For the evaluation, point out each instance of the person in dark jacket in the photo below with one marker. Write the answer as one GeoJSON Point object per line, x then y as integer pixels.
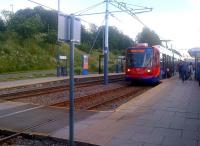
{"type": "Point", "coordinates": [179, 69]}
{"type": "Point", "coordinates": [190, 70]}
{"type": "Point", "coordinates": [183, 70]}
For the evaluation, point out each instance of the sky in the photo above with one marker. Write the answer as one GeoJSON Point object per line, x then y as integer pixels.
{"type": "Point", "coordinates": [175, 20]}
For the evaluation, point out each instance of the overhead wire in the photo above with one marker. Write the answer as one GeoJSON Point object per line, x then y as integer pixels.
{"type": "Point", "coordinates": [42, 5]}
{"type": "Point", "coordinates": [57, 10]}
{"type": "Point", "coordinates": [80, 13]}
{"type": "Point", "coordinates": [127, 11]}
{"type": "Point", "coordinates": [91, 7]}
{"type": "Point", "coordinates": [96, 37]}
{"type": "Point", "coordinates": [111, 14]}
{"type": "Point", "coordinates": [87, 9]}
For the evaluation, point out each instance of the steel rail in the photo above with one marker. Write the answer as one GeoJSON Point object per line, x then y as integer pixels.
{"type": "Point", "coordinates": [48, 90]}
{"type": "Point", "coordinates": [43, 106]}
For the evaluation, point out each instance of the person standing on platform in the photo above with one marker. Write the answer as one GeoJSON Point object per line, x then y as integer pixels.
{"type": "Point", "coordinates": [183, 70]}
{"type": "Point", "coordinates": [190, 68]}
{"type": "Point", "coordinates": [179, 69]}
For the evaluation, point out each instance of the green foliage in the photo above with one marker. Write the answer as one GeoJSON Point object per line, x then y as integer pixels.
{"type": "Point", "coordinates": [26, 27]}
{"type": "Point", "coordinates": [14, 57]}
{"type": "Point", "coordinates": [49, 19]}
{"type": "Point", "coordinates": [51, 37]}
{"type": "Point", "coordinates": [6, 15]}
{"type": "Point", "coordinates": [148, 36]}
{"type": "Point", "coordinates": [29, 42]}
{"type": "Point", "coordinates": [2, 25]}
{"type": "Point", "coordinates": [118, 42]}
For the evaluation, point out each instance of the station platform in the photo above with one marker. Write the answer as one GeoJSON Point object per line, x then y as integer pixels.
{"type": "Point", "coordinates": [50, 81]}
{"type": "Point", "coordinates": [166, 115]}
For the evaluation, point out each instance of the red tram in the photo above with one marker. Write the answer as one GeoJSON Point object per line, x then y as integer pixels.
{"type": "Point", "coordinates": [148, 64]}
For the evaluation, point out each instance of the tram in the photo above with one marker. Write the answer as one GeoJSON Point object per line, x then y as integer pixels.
{"type": "Point", "coordinates": [149, 63]}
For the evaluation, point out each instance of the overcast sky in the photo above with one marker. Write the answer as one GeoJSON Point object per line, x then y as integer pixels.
{"type": "Point", "coordinates": [176, 20]}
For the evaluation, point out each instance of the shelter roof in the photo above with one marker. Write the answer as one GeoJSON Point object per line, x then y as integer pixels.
{"type": "Point", "coordinates": [194, 52]}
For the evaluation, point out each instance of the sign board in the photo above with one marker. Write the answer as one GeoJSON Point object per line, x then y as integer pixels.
{"type": "Point", "coordinates": [136, 51]}
{"type": "Point", "coordinates": [62, 28]}
{"type": "Point", "coordinates": [85, 62]}
{"type": "Point", "coordinates": [69, 30]}
{"type": "Point", "coordinates": [77, 30]}
{"type": "Point", "coordinates": [62, 57]}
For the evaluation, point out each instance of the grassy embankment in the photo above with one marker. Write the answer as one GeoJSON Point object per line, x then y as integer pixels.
{"type": "Point", "coordinates": [27, 55]}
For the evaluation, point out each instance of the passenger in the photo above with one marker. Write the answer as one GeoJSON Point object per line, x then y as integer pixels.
{"type": "Point", "coordinates": [179, 69]}
{"type": "Point", "coordinates": [183, 70]}
{"type": "Point", "coordinates": [190, 68]}
{"type": "Point", "coordinates": [162, 73]}
{"type": "Point", "coordinates": [168, 74]}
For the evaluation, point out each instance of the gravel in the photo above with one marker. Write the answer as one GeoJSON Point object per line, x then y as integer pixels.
{"type": "Point", "coordinates": [32, 140]}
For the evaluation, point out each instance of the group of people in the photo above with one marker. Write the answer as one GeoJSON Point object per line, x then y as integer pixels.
{"type": "Point", "coordinates": [186, 70]}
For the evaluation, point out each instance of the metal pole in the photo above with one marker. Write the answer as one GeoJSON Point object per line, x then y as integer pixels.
{"type": "Point", "coordinates": [71, 109]}
{"type": "Point", "coordinates": [173, 60]}
{"type": "Point", "coordinates": [195, 75]}
{"type": "Point", "coordinates": [106, 49]}
{"type": "Point", "coordinates": [58, 8]}
{"type": "Point", "coordinates": [57, 50]}
{"type": "Point", "coordinates": [99, 64]}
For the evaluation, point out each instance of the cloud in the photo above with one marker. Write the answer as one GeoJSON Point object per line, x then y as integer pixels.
{"type": "Point", "coordinates": [181, 27]}
{"type": "Point", "coordinates": [194, 3]}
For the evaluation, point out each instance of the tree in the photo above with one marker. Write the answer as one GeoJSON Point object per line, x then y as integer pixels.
{"type": "Point", "coordinates": [26, 27]}
{"type": "Point", "coordinates": [148, 36]}
{"type": "Point", "coordinates": [49, 19]}
{"type": "Point", "coordinates": [118, 41]}
{"type": "Point", "coordinates": [2, 25]}
{"type": "Point", "coordinates": [6, 15]}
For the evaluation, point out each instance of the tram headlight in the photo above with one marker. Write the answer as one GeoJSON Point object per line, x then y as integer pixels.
{"type": "Point", "coordinates": [128, 70]}
{"type": "Point", "coordinates": [149, 71]}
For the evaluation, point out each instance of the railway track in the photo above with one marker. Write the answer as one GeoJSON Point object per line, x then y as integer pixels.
{"type": "Point", "coordinates": [49, 90]}
{"type": "Point", "coordinates": [82, 96]}
{"type": "Point", "coordinates": [112, 96]}
{"type": "Point", "coordinates": [113, 103]}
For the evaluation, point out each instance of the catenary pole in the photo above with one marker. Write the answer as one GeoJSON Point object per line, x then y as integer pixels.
{"type": "Point", "coordinates": [106, 49]}
{"type": "Point", "coordinates": [57, 50]}
{"type": "Point", "coordinates": [71, 109]}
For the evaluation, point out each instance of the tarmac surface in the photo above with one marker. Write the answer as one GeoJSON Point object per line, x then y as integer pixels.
{"type": "Point", "coordinates": [166, 115]}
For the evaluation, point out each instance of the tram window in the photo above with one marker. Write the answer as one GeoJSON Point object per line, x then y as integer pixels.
{"type": "Point", "coordinates": [135, 59]}
{"type": "Point", "coordinates": [140, 59]}
{"type": "Point", "coordinates": [148, 58]}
